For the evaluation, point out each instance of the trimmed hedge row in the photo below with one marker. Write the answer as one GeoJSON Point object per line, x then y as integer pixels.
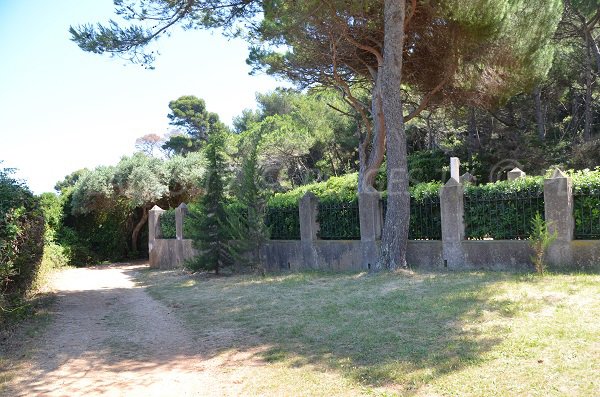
{"type": "Point", "coordinates": [500, 211]}
{"type": "Point", "coordinates": [586, 206]}
{"type": "Point", "coordinates": [338, 210]}
{"type": "Point", "coordinates": [503, 210]}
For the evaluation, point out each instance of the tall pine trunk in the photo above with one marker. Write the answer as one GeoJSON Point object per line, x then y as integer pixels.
{"type": "Point", "coordinates": [371, 153]}
{"type": "Point", "coordinates": [539, 113]}
{"type": "Point", "coordinates": [589, 80]}
{"type": "Point", "coordinates": [395, 231]}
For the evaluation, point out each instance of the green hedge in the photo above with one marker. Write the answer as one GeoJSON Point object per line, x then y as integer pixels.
{"type": "Point", "coordinates": [22, 229]}
{"type": "Point", "coordinates": [586, 208]}
{"type": "Point", "coordinates": [500, 211]}
{"type": "Point", "coordinates": [167, 224]}
{"type": "Point", "coordinates": [338, 210]}
{"type": "Point", "coordinates": [503, 210]}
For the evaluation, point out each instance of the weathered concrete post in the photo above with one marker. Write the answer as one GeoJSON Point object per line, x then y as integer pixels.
{"type": "Point", "coordinates": [370, 216]}
{"type": "Point", "coordinates": [455, 168]}
{"type": "Point", "coordinates": [515, 174]}
{"type": "Point", "coordinates": [452, 214]}
{"type": "Point", "coordinates": [309, 227]}
{"type": "Point", "coordinates": [558, 206]}
{"type": "Point", "coordinates": [180, 213]}
{"type": "Point", "coordinates": [467, 177]}
{"type": "Point", "coordinates": [154, 231]}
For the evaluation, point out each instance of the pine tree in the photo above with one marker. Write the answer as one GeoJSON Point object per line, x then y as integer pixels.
{"type": "Point", "coordinates": [210, 230]}
{"type": "Point", "coordinates": [248, 219]}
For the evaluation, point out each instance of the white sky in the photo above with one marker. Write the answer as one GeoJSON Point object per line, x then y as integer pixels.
{"type": "Point", "coordinates": [62, 109]}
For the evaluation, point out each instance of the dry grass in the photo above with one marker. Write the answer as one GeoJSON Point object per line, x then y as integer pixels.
{"type": "Point", "coordinates": [424, 334]}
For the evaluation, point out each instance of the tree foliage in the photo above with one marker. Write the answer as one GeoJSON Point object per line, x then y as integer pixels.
{"type": "Point", "coordinates": [120, 196]}
{"type": "Point", "coordinates": [195, 124]}
{"type": "Point", "coordinates": [211, 232]}
{"type": "Point", "coordinates": [21, 238]}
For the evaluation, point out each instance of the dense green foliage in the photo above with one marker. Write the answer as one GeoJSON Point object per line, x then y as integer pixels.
{"type": "Point", "coordinates": [586, 206]}
{"type": "Point", "coordinates": [167, 224]}
{"type": "Point", "coordinates": [211, 234]}
{"type": "Point", "coordinates": [21, 238]}
{"type": "Point", "coordinates": [301, 138]}
{"type": "Point", "coordinates": [106, 209]}
{"type": "Point", "coordinates": [338, 210]}
{"type": "Point", "coordinates": [503, 210]}
{"type": "Point", "coordinates": [247, 217]}
{"type": "Point", "coordinates": [195, 125]}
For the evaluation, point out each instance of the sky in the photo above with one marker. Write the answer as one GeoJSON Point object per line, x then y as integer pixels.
{"type": "Point", "coordinates": [62, 109]}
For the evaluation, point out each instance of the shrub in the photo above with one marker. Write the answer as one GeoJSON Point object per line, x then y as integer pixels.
{"type": "Point", "coordinates": [539, 240]}
{"type": "Point", "coordinates": [21, 238]}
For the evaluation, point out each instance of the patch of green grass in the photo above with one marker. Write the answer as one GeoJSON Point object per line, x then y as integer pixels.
{"type": "Point", "coordinates": [476, 333]}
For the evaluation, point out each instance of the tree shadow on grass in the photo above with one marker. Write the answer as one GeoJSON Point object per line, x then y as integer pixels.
{"type": "Point", "coordinates": [382, 330]}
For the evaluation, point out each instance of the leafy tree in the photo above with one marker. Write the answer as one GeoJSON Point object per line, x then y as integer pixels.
{"type": "Point", "coordinates": [70, 180]}
{"type": "Point", "coordinates": [303, 136]}
{"type": "Point", "coordinates": [127, 191]}
{"type": "Point", "coordinates": [195, 122]}
{"type": "Point", "coordinates": [211, 232]}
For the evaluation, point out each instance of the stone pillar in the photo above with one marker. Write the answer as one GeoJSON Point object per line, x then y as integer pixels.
{"type": "Point", "coordinates": [370, 215]}
{"type": "Point", "coordinates": [453, 227]}
{"type": "Point", "coordinates": [309, 207]}
{"type": "Point", "coordinates": [154, 232]}
{"type": "Point", "coordinates": [455, 168]}
{"type": "Point", "coordinates": [558, 207]}
{"type": "Point", "coordinates": [309, 227]}
{"type": "Point", "coordinates": [515, 174]}
{"type": "Point", "coordinates": [467, 177]}
{"type": "Point", "coordinates": [180, 214]}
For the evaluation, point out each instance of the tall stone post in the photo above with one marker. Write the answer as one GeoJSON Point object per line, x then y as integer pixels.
{"type": "Point", "coordinates": [453, 227]}
{"type": "Point", "coordinates": [370, 216]}
{"type": "Point", "coordinates": [154, 231]}
{"type": "Point", "coordinates": [455, 168]}
{"type": "Point", "coordinates": [558, 206]}
{"type": "Point", "coordinates": [180, 214]}
{"type": "Point", "coordinates": [309, 227]}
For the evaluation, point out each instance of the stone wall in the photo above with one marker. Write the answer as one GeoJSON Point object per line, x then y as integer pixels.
{"type": "Point", "coordinates": [452, 252]}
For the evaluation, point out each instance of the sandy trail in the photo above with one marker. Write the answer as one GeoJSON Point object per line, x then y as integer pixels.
{"type": "Point", "coordinates": [110, 338]}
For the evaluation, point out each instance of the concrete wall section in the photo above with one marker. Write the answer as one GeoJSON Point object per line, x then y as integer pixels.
{"type": "Point", "coordinates": [586, 254]}
{"type": "Point", "coordinates": [169, 254]}
{"type": "Point", "coordinates": [425, 254]}
{"type": "Point", "coordinates": [497, 255]}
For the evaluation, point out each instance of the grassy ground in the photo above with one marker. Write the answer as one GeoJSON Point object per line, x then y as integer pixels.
{"type": "Point", "coordinates": [19, 331]}
{"type": "Point", "coordinates": [449, 334]}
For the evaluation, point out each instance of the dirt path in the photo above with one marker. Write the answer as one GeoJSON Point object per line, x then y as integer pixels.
{"type": "Point", "coordinates": [110, 338]}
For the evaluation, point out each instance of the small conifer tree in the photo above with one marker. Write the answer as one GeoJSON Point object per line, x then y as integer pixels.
{"type": "Point", "coordinates": [247, 219]}
{"type": "Point", "coordinates": [210, 230]}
